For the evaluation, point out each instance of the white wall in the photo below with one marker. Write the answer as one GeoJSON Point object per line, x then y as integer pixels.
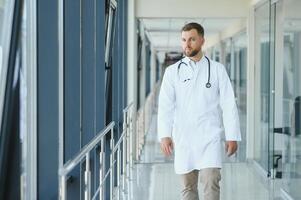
{"type": "Point", "coordinates": [132, 53]}
{"type": "Point", "coordinates": [132, 64]}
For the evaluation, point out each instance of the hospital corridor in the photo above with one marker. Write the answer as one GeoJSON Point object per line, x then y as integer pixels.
{"type": "Point", "coordinates": [150, 99]}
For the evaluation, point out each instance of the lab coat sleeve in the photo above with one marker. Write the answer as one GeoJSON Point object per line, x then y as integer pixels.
{"type": "Point", "coordinates": [166, 107]}
{"type": "Point", "coordinates": [228, 106]}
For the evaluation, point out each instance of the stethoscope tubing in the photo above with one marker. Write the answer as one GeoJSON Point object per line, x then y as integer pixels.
{"type": "Point", "coordinates": [208, 84]}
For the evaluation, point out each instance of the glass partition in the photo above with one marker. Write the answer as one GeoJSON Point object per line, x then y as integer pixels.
{"type": "Point", "coordinates": [290, 35]}
{"type": "Point", "coordinates": [215, 53]}
{"type": "Point", "coordinates": [1, 30]}
{"type": "Point", "coordinates": [262, 86]}
{"type": "Point", "coordinates": [239, 80]}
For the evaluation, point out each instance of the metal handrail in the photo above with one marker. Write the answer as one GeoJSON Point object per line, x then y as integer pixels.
{"type": "Point", "coordinates": [126, 109]}
{"type": "Point", "coordinates": [126, 164]}
{"type": "Point", "coordinates": [87, 148]}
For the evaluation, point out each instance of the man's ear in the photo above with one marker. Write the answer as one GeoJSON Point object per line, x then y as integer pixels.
{"type": "Point", "coordinates": [203, 41]}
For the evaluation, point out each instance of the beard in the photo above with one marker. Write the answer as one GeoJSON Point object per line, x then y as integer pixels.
{"type": "Point", "coordinates": [192, 53]}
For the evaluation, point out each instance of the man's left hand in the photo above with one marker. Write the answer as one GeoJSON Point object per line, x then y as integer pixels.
{"type": "Point", "coordinates": [231, 147]}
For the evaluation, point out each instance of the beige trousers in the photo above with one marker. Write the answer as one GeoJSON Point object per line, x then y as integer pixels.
{"type": "Point", "coordinates": [210, 178]}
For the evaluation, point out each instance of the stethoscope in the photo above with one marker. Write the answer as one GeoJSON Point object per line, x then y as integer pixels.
{"type": "Point", "coordinates": [208, 84]}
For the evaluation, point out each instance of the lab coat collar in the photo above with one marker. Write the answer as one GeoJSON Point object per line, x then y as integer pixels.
{"type": "Point", "coordinates": [187, 60]}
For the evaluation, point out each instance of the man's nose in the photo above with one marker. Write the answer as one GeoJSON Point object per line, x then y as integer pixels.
{"type": "Point", "coordinates": [187, 44]}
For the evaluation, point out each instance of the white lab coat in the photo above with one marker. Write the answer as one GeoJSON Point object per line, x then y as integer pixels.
{"type": "Point", "coordinates": [195, 116]}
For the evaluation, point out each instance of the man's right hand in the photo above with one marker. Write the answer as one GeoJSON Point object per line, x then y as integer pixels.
{"type": "Point", "coordinates": [166, 146]}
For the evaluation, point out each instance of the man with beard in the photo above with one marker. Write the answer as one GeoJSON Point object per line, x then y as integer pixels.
{"type": "Point", "coordinates": [196, 109]}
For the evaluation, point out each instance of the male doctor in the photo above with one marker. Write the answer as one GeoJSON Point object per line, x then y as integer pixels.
{"type": "Point", "coordinates": [193, 115]}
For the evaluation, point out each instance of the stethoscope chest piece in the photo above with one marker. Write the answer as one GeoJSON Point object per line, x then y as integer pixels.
{"type": "Point", "coordinates": [208, 85]}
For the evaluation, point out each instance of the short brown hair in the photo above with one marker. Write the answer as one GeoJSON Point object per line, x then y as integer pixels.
{"type": "Point", "coordinates": [194, 25]}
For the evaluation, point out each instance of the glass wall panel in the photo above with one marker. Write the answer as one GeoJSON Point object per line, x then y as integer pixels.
{"type": "Point", "coordinates": [217, 53]}
{"type": "Point", "coordinates": [10, 66]}
{"type": "Point", "coordinates": [262, 85]}
{"type": "Point", "coordinates": [239, 54]}
{"type": "Point", "coordinates": [6, 16]}
{"type": "Point", "coordinates": [1, 30]}
{"type": "Point", "coordinates": [291, 97]}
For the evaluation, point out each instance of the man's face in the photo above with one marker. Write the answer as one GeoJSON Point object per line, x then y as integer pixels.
{"type": "Point", "coordinates": [192, 42]}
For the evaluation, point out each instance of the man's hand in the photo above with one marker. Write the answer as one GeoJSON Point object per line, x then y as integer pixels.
{"type": "Point", "coordinates": [231, 147]}
{"type": "Point", "coordinates": [166, 146]}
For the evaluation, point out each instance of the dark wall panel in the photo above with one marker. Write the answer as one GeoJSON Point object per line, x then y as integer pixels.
{"type": "Point", "coordinates": [100, 76]}
{"type": "Point", "coordinates": [125, 59]}
{"type": "Point", "coordinates": [100, 65]}
{"type": "Point", "coordinates": [72, 73]}
{"type": "Point", "coordinates": [116, 70]}
{"type": "Point", "coordinates": [88, 71]}
{"type": "Point", "coordinates": [88, 79]}
{"type": "Point", "coordinates": [120, 65]}
{"type": "Point", "coordinates": [47, 99]}
{"type": "Point", "coordinates": [72, 90]}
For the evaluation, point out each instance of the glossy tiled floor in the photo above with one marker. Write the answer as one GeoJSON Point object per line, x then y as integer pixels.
{"type": "Point", "coordinates": [154, 177]}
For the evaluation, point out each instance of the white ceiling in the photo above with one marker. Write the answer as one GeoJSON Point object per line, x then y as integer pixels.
{"type": "Point", "coordinates": [191, 8]}
{"type": "Point", "coordinates": [165, 34]}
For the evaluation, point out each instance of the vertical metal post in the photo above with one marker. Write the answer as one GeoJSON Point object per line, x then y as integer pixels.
{"type": "Point", "coordinates": [128, 147]}
{"type": "Point", "coordinates": [124, 148]}
{"type": "Point", "coordinates": [63, 188]}
{"type": "Point", "coordinates": [87, 178]}
{"type": "Point", "coordinates": [61, 84]}
{"type": "Point", "coordinates": [101, 171]}
{"type": "Point", "coordinates": [112, 165]}
{"type": "Point", "coordinates": [131, 143]}
{"type": "Point", "coordinates": [118, 172]}
{"type": "Point", "coordinates": [137, 133]}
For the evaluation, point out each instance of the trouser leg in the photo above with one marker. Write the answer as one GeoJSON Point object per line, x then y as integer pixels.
{"type": "Point", "coordinates": [210, 177]}
{"type": "Point", "coordinates": [190, 185]}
